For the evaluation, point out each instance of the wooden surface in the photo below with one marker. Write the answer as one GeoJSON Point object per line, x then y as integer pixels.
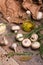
{"type": "Point", "coordinates": [4, 60]}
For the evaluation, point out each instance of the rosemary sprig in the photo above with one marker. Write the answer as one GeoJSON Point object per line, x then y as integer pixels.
{"type": "Point", "coordinates": [24, 53]}
{"type": "Point", "coordinates": [36, 30]}
{"type": "Point", "coordinates": [41, 50]}
{"type": "Point", "coordinates": [40, 36]}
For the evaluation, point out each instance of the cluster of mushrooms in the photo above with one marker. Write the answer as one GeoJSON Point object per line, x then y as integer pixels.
{"type": "Point", "coordinates": [32, 42]}
{"type": "Point", "coordinates": [29, 42]}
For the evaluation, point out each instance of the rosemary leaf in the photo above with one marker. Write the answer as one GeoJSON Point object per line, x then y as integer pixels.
{"type": "Point", "coordinates": [40, 36]}
{"type": "Point", "coordinates": [10, 54]}
{"type": "Point", "coordinates": [41, 51]}
{"type": "Point", "coordinates": [24, 53]}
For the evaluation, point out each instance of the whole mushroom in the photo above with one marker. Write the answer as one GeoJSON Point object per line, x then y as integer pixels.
{"type": "Point", "coordinates": [19, 37]}
{"type": "Point", "coordinates": [26, 42]}
{"type": "Point", "coordinates": [34, 37]}
{"type": "Point", "coordinates": [15, 27]}
{"type": "Point", "coordinates": [35, 45]}
{"type": "Point", "coordinates": [14, 47]}
{"type": "Point", "coordinates": [28, 13]}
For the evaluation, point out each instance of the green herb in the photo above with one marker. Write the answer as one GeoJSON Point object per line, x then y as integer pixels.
{"type": "Point", "coordinates": [10, 54]}
{"type": "Point", "coordinates": [40, 36]}
{"type": "Point", "coordinates": [41, 50]}
{"type": "Point", "coordinates": [24, 53]}
{"type": "Point", "coordinates": [20, 43]}
{"type": "Point", "coordinates": [36, 30]}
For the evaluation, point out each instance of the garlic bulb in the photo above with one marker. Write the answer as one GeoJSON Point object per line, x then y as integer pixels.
{"type": "Point", "coordinates": [26, 42]}
{"type": "Point", "coordinates": [35, 45]}
{"type": "Point", "coordinates": [14, 46]}
{"type": "Point", "coordinates": [19, 37]}
{"type": "Point", "coordinates": [39, 15]}
{"type": "Point", "coordinates": [34, 37]}
{"type": "Point", "coordinates": [15, 27]}
{"type": "Point", "coordinates": [2, 28]}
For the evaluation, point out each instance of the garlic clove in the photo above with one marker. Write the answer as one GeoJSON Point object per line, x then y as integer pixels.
{"type": "Point", "coordinates": [26, 43]}
{"type": "Point", "coordinates": [19, 37]}
{"type": "Point", "coordinates": [35, 45]}
{"type": "Point", "coordinates": [39, 15]}
{"type": "Point", "coordinates": [14, 46]}
{"type": "Point", "coordinates": [34, 37]}
{"type": "Point", "coordinates": [15, 27]}
{"type": "Point", "coordinates": [5, 41]}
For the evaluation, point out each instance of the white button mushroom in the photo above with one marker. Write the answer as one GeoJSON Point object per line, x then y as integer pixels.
{"type": "Point", "coordinates": [28, 12]}
{"type": "Point", "coordinates": [39, 15]}
{"type": "Point", "coordinates": [19, 37]}
{"type": "Point", "coordinates": [14, 46]}
{"type": "Point", "coordinates": [2, 28]}
{"type": "Point", "coordinates": [15, 27]}
{"type": "Point", "coordinates": [34, 37]}
{"type": "Point", "coordinates": [26, 42]}
{"type": "Point", "coordinates": [35, 45]}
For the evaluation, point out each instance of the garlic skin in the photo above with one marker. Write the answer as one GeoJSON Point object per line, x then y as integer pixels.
{"type": "Point", "coordinates": [15, 27]}
{"type": "Point", "coordinates": [35, 45]}
{"type": "Point", "coordinates": [19, 37]}
{"type": "Point", "coordinates": [2, 28]}
{"type": "Point", "coordinates": [34, 37]}
{"type": "Point", "coordinates": [14, 46]}
{"type": "Point", "coordinates": [39, 15]}
{"type": "Point", "coordinates": [26, 42]}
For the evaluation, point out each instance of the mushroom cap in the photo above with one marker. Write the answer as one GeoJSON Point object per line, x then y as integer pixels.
{"type": "Point", "coordinates": [14, 45]}
{"type": "Point", "coordinates": [19, 37]}
{"type": "Point", "coordinates": [15, 27]}
{"type": "Point", "coordinates": [34, 37]}
{"type": "Point", "coordinates": [26, 42]}
{"type": "Point", "coordinates": [35, 45]}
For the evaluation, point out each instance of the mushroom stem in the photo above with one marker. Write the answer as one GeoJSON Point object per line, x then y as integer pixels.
{"type": "Point", "coordinates": [14, 47]}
